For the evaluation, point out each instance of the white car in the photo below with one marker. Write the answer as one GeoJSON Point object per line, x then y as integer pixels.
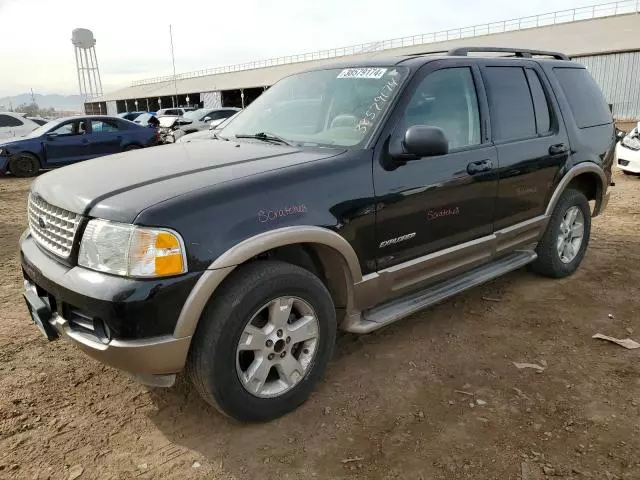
{"type": "Point", "coordinates": [174, 112]}
{"type": "Point", "coordinates": [15, 125]}
{"type": "Point", "coordinates": [628, 152]}
{"type": "Point", "coordinates": [214, 127]}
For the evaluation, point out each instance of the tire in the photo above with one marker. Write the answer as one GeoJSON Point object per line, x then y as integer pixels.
{"type": "Point", "coordinates": [550, 262]}
{"type": "Point", "coordinates": [128, 148]}
{"type": "Point", "coordinates": [24, 165]}
{"type": "Point", "coordinates": [215, 364]}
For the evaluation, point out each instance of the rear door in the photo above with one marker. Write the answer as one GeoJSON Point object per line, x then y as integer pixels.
{"type": "Point", "coordinates": [530, 137]}
{"type": "Point", "coordinates": [105, 137]}
{"type": "Point", "coordinates": [67, 143]}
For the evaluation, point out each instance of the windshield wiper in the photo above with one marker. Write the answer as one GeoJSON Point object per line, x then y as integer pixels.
{"type": "Point", "coordinates": [266, 137]}
{"type": "Point", "coordinates": [218, 137]}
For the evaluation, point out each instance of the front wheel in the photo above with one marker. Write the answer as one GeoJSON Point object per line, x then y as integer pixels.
{"type": "Point", "coordinates": [263, 341]}
{"type": "Point", "coordinates": [24, 165]}
{"type": "Point", "coordinates": [566, 239]}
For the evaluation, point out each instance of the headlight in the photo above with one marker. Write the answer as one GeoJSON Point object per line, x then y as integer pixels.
{"type": "Point", "coordinates": [631, 142]}
{"type": "Point", "coordinates": [131, 251]}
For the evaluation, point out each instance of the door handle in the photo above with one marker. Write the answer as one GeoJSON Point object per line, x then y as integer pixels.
{"type": "Point", "coordinates": [558, 149]}
{"type": "Point", "coordinates": [481, 166]}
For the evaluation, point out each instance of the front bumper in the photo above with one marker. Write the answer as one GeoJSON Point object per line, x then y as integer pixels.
{"type": "Point", "coordinates": [627, 160]}
{"type": "Point", "coordinates": [93, 310]}
{"type": "Point", "coordinates": [4, 163]}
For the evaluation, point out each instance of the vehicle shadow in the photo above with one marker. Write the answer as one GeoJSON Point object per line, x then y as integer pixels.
{"type": "Point", "coordinates": [186, 420]}
{"type": "Point", "coordinates": [330, 427]}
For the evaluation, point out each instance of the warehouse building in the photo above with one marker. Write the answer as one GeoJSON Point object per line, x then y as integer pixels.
{"type": "Point", "coordinates": [603, 37]}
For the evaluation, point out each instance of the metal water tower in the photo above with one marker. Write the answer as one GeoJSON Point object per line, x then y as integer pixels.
{"type": "Point", "coordinates": [89, 79]}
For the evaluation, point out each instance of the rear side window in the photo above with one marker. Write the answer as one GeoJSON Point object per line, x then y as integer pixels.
{"type": "Point", "coordinates": [512, 114]}
{"type": "Point", "coordinates": [103, 126]}
{"type": "Point", "coordinates": [584, 96]}
{"type": "Point", "coordinates": [9, 121]}
{"type": "Point", "coordinates": [540, 103]}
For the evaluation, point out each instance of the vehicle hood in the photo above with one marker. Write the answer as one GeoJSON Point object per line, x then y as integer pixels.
{"type": "Point", "coordinates": [14, 141]}
{"type": "Point", "coordinates": [118, 187]}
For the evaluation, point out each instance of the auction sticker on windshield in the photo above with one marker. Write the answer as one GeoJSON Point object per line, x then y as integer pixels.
{"type": "Point", "coordinates": [362, 73]}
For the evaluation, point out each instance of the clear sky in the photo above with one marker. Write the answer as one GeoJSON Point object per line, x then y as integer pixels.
{"type": "Point", "coordinates": [133, 35]}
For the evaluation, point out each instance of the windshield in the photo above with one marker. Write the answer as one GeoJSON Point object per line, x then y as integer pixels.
{"type": "Point", "coordinates": [167, 121]}
{"type": "Point", "coordinates": [196, 114]}
{"type": "Point", "coordinates": [338, 107]}
{"type": "Point", "coordinates": [43, 129]}
{"type": "Point", "coordinates": [144, 118]}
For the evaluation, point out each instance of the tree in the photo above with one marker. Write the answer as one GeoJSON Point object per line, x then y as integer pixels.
{"type": "Point", "coordinates": [31, 109]}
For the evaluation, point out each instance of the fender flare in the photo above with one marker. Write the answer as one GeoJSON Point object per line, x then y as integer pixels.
{"type": "Point", "coordinates": [585, 167]}
{"type": "Point", "coordinates": [249, 248]}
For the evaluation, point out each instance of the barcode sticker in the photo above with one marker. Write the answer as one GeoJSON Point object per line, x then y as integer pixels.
{"type": "Point", "coordinates": [362, 73]}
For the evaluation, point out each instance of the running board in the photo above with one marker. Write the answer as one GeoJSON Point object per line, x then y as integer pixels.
{"type": "Point", "coordinates": [399, 308]}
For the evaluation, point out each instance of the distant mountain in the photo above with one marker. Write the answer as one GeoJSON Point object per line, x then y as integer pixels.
{"type": "Point", "coordinates": [59, 102]}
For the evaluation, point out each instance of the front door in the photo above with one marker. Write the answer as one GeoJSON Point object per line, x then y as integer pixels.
{"type": "Point", "coordinates": [105, 138]}
{"type": "Point", "coordinates": [67, 143]}
{"type": "Point", "coordinates": [435, 203]}
{"type": "Point", "coordinates": [530, 137]}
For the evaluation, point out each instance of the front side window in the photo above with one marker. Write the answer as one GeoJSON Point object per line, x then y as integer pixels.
{"type": "Point", "coordinates": [70, 128]}
{"type": "Point", "coordinates": [447, 99]}
{"type": "Point", "coordinates": [340, 107]}
{"type": "Point", "coordinates": [103, 126]}
{"type": "Point", "coordinates": [512, 114]}
{"type": "Point", "coordinates": [9, 121]}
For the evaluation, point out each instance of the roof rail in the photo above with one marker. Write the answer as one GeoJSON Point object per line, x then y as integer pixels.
{"type": "Point", "coordinates": [518, 52]}
{"type": "Point", "coordinates": [430, 52]}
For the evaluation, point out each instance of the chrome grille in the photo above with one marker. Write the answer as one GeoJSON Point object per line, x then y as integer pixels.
{"type": "Point", "coordinates": [52, 227]}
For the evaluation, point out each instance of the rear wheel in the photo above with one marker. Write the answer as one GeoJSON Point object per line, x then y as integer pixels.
{"type": "Point", "coordinates": [263, 341]}
{"type": "Point", "coordinates": [24, 165]}
{"type": "Point", "coordinates": [566, 239]}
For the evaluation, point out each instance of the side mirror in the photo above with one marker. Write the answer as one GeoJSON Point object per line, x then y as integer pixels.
{"type": "Point", "coordinates": [206, 119]}
{"type": "Point", "coordinates": [52, 136]}
{"type": "Point", "coordinates": [422, 141]}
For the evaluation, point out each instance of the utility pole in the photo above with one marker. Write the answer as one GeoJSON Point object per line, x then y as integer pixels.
{"type": "Point", "coordinates": [173, 60]}
{"type": "Point", "coordinates": [33, 97]}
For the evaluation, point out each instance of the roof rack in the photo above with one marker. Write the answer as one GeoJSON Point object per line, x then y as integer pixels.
{"type": "Point", "coordinates": [430, 52]}
{"type": "Point", "coordinates": [518, 52]}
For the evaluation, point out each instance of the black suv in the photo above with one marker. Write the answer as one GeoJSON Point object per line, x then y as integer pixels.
{"type": "Point", "coordinates": [345, 197]}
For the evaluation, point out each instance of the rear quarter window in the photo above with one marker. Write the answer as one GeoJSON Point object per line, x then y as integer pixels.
{"type": "Point", "coordinates": [585, 99]}
{"type": "Point", "coordinates": [9, 121]}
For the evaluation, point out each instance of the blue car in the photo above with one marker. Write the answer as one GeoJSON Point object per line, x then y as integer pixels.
{"type": "Point", "coordinates": [70, 140]}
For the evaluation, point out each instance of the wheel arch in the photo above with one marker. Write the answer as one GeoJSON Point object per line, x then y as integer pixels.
{"type": "Point", "coordinates": [32, 153]}
{"type": "Point", "coordinates": [587, 177]}
{"type": "Point", "coordinates": [337, 259]}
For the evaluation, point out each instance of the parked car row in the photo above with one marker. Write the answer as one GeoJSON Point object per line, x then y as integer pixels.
{"type": "Point", "coordinates": [28, 147]}
{"type": "Point", "coordinates": [69, 140]}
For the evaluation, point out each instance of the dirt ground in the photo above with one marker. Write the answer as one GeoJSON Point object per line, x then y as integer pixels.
{"type": "Point", "coordinates": [433, 397]}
